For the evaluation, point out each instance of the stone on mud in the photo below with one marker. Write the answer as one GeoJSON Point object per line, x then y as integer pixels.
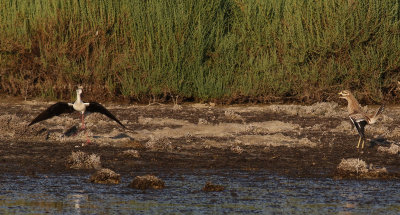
{"type": "Point", "coordinates": [82, 160]}
{"type": "Point", "coordinates": [237, 149]}
{"type": "Point", "coordinates": [356, 168]}
{"type": "Point", "coordinates": [210, 187]}
{"type": "Point", "coordinates": [105, 176]}
{"type": "Point", "coordinates": [147, 182]}
{"type": "Point", "coordinates": [232, 115]}
{"type": "Point", "coordinates": [132, 153]}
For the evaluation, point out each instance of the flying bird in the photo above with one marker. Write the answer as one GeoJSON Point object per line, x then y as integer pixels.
{"type": "Point", "coordinates": [80, 106]}
{"type": "Point", "coordinates": [357, 116]}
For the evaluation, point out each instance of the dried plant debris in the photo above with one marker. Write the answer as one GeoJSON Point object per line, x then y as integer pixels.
{"type": "Point", "coordinates": [82, 160]}
{"type": "Point", "coordinates": [356, 168]}
{"type": "Point", "coordinates": [393, 149]}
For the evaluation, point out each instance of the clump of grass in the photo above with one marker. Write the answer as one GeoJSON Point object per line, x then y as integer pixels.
{"type": "Point", "coordinates": [231, 50]}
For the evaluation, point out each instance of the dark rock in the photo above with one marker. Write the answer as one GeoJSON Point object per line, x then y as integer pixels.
{"type": "Point", "coordinates": [147, 182]}
{"type": "Point", "coordinates": [105, 176]}
{"type": "Point", "coordinates": [209, 187]}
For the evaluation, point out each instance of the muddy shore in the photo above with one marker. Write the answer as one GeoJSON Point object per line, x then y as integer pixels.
{"type": "Point", "coordinates": [291, 140]}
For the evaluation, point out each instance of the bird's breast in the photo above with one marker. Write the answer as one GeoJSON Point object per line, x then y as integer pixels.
{"type": "Point", "coordinates": [79, 107]}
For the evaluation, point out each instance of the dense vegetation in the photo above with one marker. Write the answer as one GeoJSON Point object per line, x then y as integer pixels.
{"type": "Point", "coordinates": [224, 50]}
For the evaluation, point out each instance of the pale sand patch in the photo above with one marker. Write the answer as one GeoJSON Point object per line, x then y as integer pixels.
{"type": "Point", "coordinates": [220, 130]}
{"type": "Point", "coordinates": [327, 109]}
{"type": "Point", "coordinates": [274, 126]}
{"type": "Point", "coordinates": [162, 121]}
{"type": "Point", "coordinates": [275, 140]}
{"type": "Point", "coordinates": [200, 130]}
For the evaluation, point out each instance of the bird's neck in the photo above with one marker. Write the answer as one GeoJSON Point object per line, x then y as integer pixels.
{"type": "Point", "coordinates": [78, 98]}
{"type": "Point", "coordinates": [353, 106]}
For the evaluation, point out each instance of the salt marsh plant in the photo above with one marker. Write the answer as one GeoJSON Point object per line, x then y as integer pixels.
{"type": "Point", "coordinates": [202, 50]}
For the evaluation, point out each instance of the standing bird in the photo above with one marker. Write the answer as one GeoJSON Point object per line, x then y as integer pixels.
{"type": "Point", "coordinates": [358, 117]}
{"type": "Point", "coordinates": [64, 107]}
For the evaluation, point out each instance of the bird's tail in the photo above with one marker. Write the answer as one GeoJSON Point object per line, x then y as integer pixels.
{"type": "Point", "coordinates": [376, 116]}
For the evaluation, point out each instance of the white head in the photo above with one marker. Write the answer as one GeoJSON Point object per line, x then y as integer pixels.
{"type": "Point", "coordinates": [79, 90]}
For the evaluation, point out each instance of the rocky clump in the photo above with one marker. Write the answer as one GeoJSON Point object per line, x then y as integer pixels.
{"type": "Point", "coordinates": [82, 160]}
{"type": "Point", "coordinates": [210, 187]}
{"type": "Point", "coordinates": [147, 182]}
{"type": "Point", "coordinates": [356, 168]}
{"type": "Point", "coordinates": [105, 176]}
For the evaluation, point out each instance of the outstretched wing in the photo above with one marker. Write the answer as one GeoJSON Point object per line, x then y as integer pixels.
{"type": "Point", "coordinates": [54, 110]}
{"type": "Point", "coordinates": [96, 107]}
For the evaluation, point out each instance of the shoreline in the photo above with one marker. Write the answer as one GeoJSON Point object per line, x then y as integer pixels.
{"type": "Point", "coordinates": [290, 140]}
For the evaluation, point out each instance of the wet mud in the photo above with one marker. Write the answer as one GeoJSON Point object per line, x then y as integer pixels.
{"type": "Point", "coordinates": [290, 140]}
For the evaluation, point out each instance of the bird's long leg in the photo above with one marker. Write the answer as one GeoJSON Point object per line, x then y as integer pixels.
{"type": "Point", "coordinates": [358, 145]}
{"type": "Point", "coordinates": [83, 123]}
{"type": "Point", "coordinates": [83, 127]}
{"type": "Point", "coordinates": [362, 146]}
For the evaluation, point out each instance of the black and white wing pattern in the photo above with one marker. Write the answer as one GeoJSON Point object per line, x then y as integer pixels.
{"type": "Point", "coordinates": [54, 110]}
{"type": "Point", "coordinates": [96, 107]}
{"type": "Point", "coordinates": [359, 121]}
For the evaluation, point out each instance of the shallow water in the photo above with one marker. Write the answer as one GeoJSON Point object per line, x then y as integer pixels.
{"type": "Point", "coordinates": [246, 192]}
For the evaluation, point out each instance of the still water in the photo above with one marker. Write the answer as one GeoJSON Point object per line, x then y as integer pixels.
{"type": "Point", "coordinates": [246, 193]}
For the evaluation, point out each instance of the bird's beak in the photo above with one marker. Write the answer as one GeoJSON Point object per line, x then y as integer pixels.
{"type": "Point", "coordinates": [341, 95]}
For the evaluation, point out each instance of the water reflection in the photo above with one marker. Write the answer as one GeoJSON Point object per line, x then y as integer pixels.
{"type": "Point", "coordinates": [246, 192]}
{"type": "Point", "coordinates": [77, 200]}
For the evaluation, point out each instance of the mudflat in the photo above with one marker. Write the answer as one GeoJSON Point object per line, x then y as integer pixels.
{"type": "Point", "coordinates": [291, 140]}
